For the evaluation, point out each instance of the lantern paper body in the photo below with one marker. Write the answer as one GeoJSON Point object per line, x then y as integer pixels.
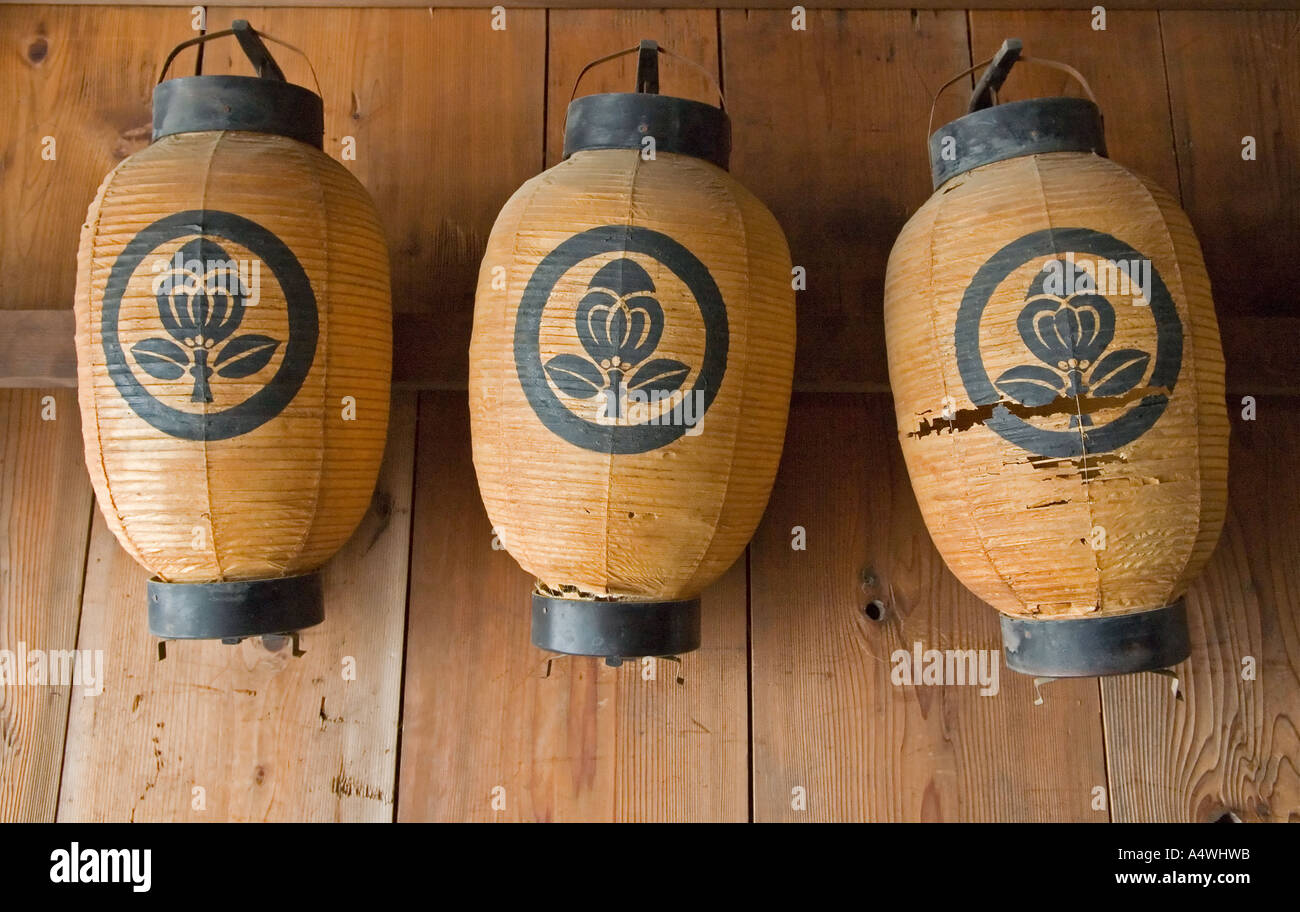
{"type": "Point", "coordinates": [215, 429]}
{"type": "Point", "coordinates": [1059, 489]}
{"type": "Point", "coordinates": [674, 269]}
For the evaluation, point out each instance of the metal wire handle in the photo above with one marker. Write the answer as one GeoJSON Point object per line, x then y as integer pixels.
{"type": "Point", "coordinates": [999, 65]}
{"type": "Point", "coordinates": [648, 69]}
{"type": "Point", "coordinates": [250, 41]}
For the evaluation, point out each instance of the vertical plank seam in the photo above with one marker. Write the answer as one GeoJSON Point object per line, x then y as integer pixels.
{"type": "Point", "coordinates": [749, 689]}
{"type": "Point", "coordinates": [749, 637]}
{"type": "Point", "coordinates": [1169, 101]}
{"type": "Point", "coordinates": [406, 602]}
{"type": "Point", "coordinates": [546, 80]}
{"type": "Point", "coordinates": [1105, 754]}
{"type": "Point", "coordinates": [76, 642]}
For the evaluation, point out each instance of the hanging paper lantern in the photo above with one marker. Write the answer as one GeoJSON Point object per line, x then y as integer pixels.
{"type": "Point", "coordinates": [1058, 380]}
{"type": "Point", "coordinates": [234, 351]}
{"type": "Point", "coordinates": [630, 371]}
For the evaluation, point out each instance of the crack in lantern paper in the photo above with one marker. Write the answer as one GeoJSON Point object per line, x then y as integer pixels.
{"type": "Point", "coordinates": [965, 419]}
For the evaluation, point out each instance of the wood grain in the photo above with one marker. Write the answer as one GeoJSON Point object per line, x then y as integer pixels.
{"type": "Point", "coordinates": [450, 117]}
{"type": "Point", "coordinates": [829, 130]}
{"type": "Point", "coordinates": [265, 735]}
{"type": "Point", "coordinates": [582, 743]}
{"type": "Point", "coordinates": [827, 717]}
{"type": "Point", "coordinates": [1233, 75]}
{"type": "Point", "coordinates": [37, 348]}
{"type": "Point", "coordinates": [1231, 745]}
{"type": "Point", "coordinates": [44, 523]}
{"type": "Point", "coordinates": [84, 76]}
{"type": "Point", "coordinates": [1121, 65]}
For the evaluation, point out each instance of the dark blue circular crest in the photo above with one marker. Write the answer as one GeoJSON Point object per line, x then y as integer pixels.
{"type": "Point", "coordinates": [619, 322]}
{"type": "Point", "coordinates": [1067, 333]}
{"type": "Point", "coordinates": [200, 310]}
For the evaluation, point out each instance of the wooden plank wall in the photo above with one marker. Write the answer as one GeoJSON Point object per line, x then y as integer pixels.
{"type": "Point", "coordinates": [420, 697]}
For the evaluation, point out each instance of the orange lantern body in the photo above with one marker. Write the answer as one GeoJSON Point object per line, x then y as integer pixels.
{"type": "Point", "coordinates": [630, 373]}
{"type": "Point", "coordinates": [232, 289]}
{"type": "Point", "coordinates": [1058, 381]}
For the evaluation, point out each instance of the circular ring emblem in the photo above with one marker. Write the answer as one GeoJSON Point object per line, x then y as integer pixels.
{"type": "Point", "coordinates": [203, 293]}
{"type": "Point", "coordinates": [1076, 359]}
{"type": "Point", "coordinates": [606, 351]}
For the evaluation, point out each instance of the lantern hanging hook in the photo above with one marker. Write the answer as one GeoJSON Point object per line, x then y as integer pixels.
{"type": "Point", "coordinates": [251, 42]}
{"type": "Point", "coordinates": [999, 66]}
{"type": "Point", "coordinates": [647, 70]}
{"type": "Point", "coordinates": [986, 89]}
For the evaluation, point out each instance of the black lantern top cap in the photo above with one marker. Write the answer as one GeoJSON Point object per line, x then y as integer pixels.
{"type": "Point", "coordinates": [265, 103]}
{"type": "Point", "coordinates": [991, 132]}
{"type": "Point", "coordinates": [623, 120]}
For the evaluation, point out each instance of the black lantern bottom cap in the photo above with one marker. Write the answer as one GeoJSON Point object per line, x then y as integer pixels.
{"type": "Point", "coordinates": [1087, 647]}
{"type": "Point", "coordinates": [615, 629]}
{"type": "Point", "coordinates": [232, 611]}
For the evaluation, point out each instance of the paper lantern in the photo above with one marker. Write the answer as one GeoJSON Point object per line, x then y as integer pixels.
{"type": "Point", "coordinates": [1058, 381]}
{"type": "Point", "coordinates": [630, 371]}
{"type": "Point", "coordinates": [234, 352]}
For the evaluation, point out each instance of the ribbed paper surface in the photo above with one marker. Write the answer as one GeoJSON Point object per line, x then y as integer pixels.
{"type": "Point", "coordinates": [282, 497]}
{"type": "Point", "coordinates": [1114, 528]}
{"type": "Point", "coordinates": [665, 522]}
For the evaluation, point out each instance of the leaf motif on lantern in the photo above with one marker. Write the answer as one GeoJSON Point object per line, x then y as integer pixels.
{"type": "Point", "coordinates": [661, 375]}
{"type": "Point", "coordinates": [575, 376]}
{"type": "Point", "coordinates": [1030, 384]}
{"type": "Point", "coordinates": [161, 359]}
{"type": "Point", "coordinates": [1119, 372]}
{"type": "Point", "coordinates": [244, 356]}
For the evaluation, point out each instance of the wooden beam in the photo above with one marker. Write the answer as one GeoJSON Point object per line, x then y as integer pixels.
{"type": "Point", "coordinates": [36, 351]}
{"type": "Point", "coordinates": [1224, 747]}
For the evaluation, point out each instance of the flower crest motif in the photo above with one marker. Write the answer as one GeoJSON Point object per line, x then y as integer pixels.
{"type": "Point", "coordinates": [619, 322]}
{"type": "Point", "coordinates": [1069, 334]}
{"type": "Point", "coordinates": [201, 300]}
